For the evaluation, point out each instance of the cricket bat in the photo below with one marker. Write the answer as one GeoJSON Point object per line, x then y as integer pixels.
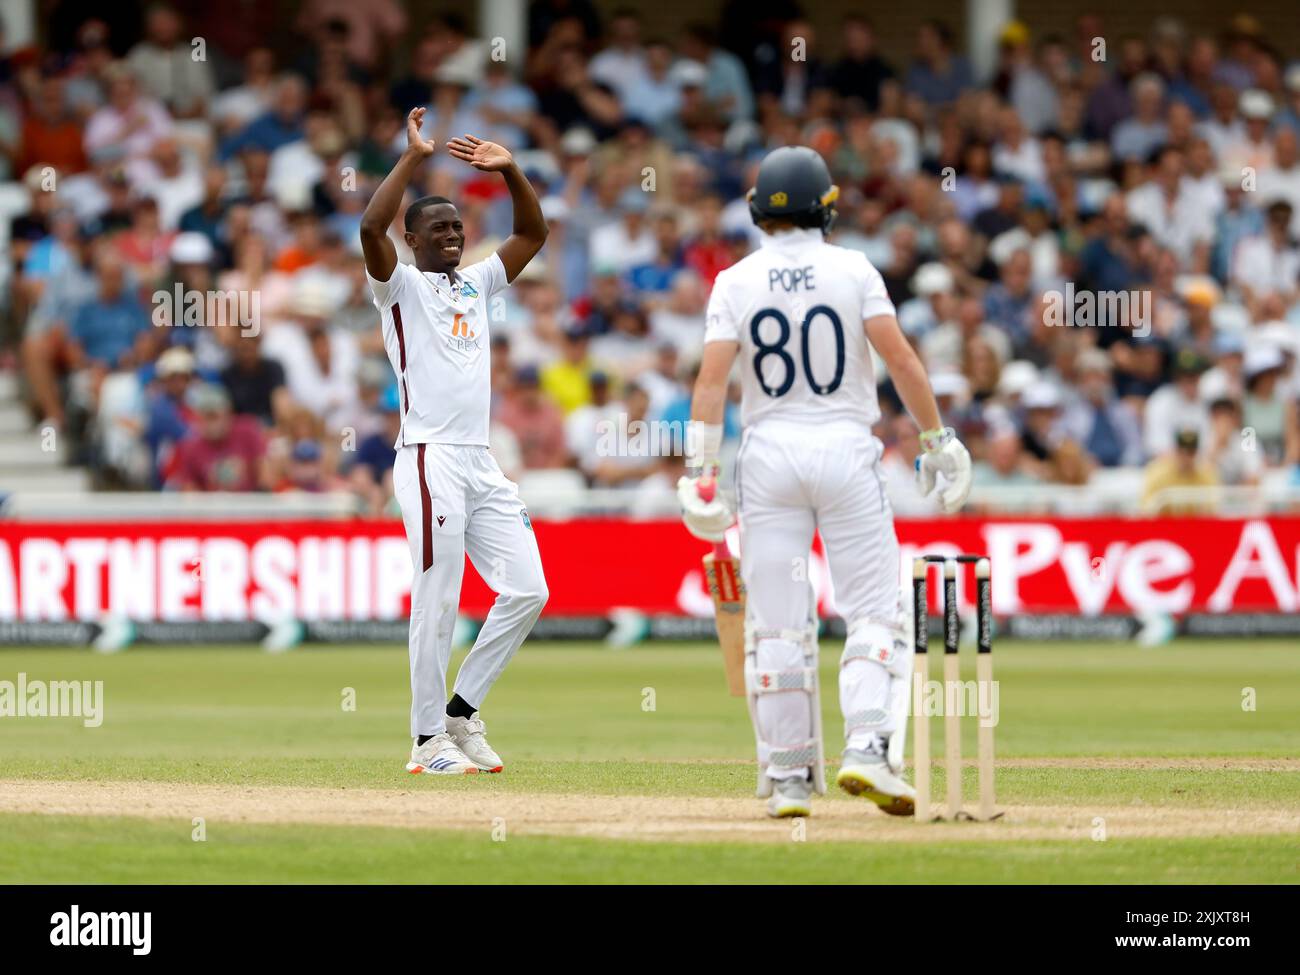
{"type": "Point", "coordinates": [722, 575]}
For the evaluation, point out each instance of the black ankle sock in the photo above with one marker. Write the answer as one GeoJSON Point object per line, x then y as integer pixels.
{"type": "Point", "coordinates": [421, 739]}
{"type": "Point", "coordinates": [458, 708]}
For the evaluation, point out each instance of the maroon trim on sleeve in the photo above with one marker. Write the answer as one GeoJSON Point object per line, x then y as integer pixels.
{"type": "Point", "coordinates": [401, 358]}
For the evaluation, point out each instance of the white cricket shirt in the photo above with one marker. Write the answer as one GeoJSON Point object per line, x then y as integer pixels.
{"type": "Point", "coordinates": [436, 336]}
{"type": "Point", "coordinates": [796, 306]}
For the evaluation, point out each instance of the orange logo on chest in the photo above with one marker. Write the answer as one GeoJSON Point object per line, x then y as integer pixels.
{"type": "Point", "coordinates": [460, 328]}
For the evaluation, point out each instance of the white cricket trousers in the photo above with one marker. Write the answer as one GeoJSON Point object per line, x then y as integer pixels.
{"type": "Point", "coordinates": [455, 500]}
{"type": "Point", "coordinates": [794, 479]}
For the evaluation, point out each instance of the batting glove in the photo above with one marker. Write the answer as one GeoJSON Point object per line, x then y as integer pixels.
{"type": "Point", "coordinates": [944, 454]}
{"type": "Point", "coordinates": [706, 512]}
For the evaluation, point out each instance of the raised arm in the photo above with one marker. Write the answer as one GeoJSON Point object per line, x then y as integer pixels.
{"type": "Point", "coordinates": [380, 254]}
{"type": "Point", "coordinates": [530, 226]}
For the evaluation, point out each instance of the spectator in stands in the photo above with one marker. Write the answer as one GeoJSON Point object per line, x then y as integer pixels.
{"type": "Point", "coordinates": [1268, 263]}
{"type": "Point", "coordinates": [1227, 448]}
{"type": "Point", "coordinates": [1169, 168]}
{"type": "Point", "coordinates": [623, 64]}
{"type": "Point", "coordinates": [1167, 478]}
{"type": "Point", "coordinates": [860, 70]}
{"type": "Point", "coordinates": [51, 135]}
{"type": "Point", "coordinates": [254, 383]}
{"type": "Point", "coordinates": [170, 419]}
{"type": "Point", "coordinates": [309, 470]}
{"type": "Point", "coordinates": [237, 106]}
{"type": "Point", "coordinates": [224, 452]}
{"type": "Point", "coordinates": [567, 381]}
{"type": "Point", "coordinates": [111, 330]}
{"type": "Point", "coordinates": [1106, 427]}
{"type": "Point", "coordinates": [727, 87]}
{"type": "Point", "coordinates": [1266, 410]}
{"type": "Point", "coordinates": [1004, 463]}
{"type": "Point", "coordinates": [169, 66]}
{"type": "Point", "coordinates": [130, 123]}
{"type": "Point", "coordinates": [279, 126]}
{"type": "Point", "coordinates": [1176, 405]}
{"type": "Point", "coordinates": [536, 422]}
{"type": "Point", "coordinates": [371, 475]}
{"type": "Point", "coordinates": [1143, 133]}
{"type": "Point", "coordinates": [938, 75]}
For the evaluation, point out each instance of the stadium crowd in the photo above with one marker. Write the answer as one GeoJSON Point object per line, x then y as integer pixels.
{"type": "Point", "coordinates": [1151, 183]}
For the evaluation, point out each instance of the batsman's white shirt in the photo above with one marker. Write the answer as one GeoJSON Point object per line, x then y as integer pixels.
{"type": "Point", "coordinates": [454, 498]}
{"type": "Point", "coordinates": [796, 306]}
{"type": "Point", "coordinates": [808, 461]}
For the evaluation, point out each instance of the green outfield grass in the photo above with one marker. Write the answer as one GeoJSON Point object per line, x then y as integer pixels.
{"type": "Point", "coordinates": [651, 721]}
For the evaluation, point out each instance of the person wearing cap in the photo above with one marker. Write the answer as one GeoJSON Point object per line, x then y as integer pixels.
{"type": "Point", "coordinates": [1179, 468]}
{"type": "Point", "coordinates": [1041, 432]}
{"type": "Point", "coordinates": [1175, 405]}
{"type": "Point", "coordinates": [169, 419]}
{"type": "Point", "coordinates": [932, 285]}
{"type": "Point", "coordinates": [308, 470]}
{"type": "Point", "coordinates": [223, 452]}
{"type": "Point", "coordinates": [454, 498]}
{"type": "Point", "coordinates": [1265, 408]}
{"type": "Point", "coordinates": [1238, 220]}
{"type": "Point", "coordinates": [1252, 148]}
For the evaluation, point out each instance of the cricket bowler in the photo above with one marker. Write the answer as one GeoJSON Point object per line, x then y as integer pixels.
{"type": "Point", "coordinates": [454, 497]}
{"type": "Point", "coordinates": [799, 314]}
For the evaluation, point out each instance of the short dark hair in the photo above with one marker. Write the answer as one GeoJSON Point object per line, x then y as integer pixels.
{"type": "Point", "coordinates": [419, 206]}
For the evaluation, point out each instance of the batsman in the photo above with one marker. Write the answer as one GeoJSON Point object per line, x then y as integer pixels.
{"type": "Point", "coordinates": [799, 313]}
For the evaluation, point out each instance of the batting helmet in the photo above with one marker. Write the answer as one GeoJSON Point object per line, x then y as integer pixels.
{"type": "Point", "coordinates": [794, 184]}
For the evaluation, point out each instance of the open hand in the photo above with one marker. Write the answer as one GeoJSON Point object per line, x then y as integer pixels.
{"type": "Point", "coordinates": [486, 156]}
{"type": "Point", "coordinates": [414, 120]}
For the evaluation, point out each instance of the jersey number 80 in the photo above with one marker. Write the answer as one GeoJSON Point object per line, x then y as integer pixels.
{"type": "Point", "coordinates": [764, 350]}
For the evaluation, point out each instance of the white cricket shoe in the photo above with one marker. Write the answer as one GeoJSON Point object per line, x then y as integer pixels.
{"type": "Point", "coordinates": [865, 773]}
{"type": "Point", "coordinates": [440, 756]}
{"type": "Point", "coordinates": [469, 735]}
{"type": "Point", "coordinates": [790, 797]}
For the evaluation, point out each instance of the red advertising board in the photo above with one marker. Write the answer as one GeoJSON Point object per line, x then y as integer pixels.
{"type": "Point", "coordinates": [356, 570]}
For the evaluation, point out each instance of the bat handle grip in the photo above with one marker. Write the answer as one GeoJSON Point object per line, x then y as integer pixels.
{"type": "Point", "coordinates": [707, 488]}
